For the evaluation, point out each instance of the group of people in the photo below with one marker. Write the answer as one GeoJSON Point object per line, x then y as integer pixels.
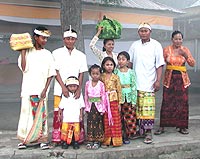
{"type": "Point", "coordinates": [119, 98]}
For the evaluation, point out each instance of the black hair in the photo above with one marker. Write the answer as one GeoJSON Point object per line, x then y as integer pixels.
{"type": "Point", "coordinates": [108, 58]}
{"type": "Point", "coordinates": [176, 32]}
{"type": "Point", "coordinates": [73, 31]}
{"type": "Point", "coordinates": [40, 28]}
{"type": "Point", "coordinates": [124, 53]}
{"type": "Point", "coordinates": [73, 77]}
{"type": "Point", "coordinates": [95, 66]}
{"type": "Point", "coordinates": [105, 41]}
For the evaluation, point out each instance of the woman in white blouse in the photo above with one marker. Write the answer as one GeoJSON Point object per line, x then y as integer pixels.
{"type": "Point", "coordinates": [108, 46]}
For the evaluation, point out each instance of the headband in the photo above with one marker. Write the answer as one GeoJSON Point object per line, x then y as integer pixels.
{"type": "Point", "coordinates": [71, 80]}
{"type": "Point", "coordinates": [45, 33]}
{"type": "Point", "coordinates": [69, 33]}
{"type": "Point", "coordinates": [144, 25]}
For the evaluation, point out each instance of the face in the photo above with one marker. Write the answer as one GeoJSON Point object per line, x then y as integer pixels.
{"type": "Point", "coordinates": [69, 42]}
{"type": "Point", "coordinates": [95, 74]}
{"type": "Point", "coordinates": [177, 40]}
{"type": "Point", "coordinates": [122, 61]}
{"type": "Point", "coordinates": [72, 88]}
{"type": "Point", "coordinates": [144, 34]}
{"type": "Point", "coordinates": [109, 46]}
{"type": "Point", "coordinates": [109, 66]}
{"type": "Point", "coordinates": [41, 40]}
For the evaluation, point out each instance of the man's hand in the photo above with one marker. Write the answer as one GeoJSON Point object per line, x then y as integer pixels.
{"type": "Point", "coordinates": [156, 86]}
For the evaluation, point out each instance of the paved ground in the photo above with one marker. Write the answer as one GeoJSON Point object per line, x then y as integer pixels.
{"type": "Point", "coordinates": [170, 145]}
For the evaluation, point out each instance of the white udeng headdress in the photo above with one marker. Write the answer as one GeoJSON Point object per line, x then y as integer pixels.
{"type": "Point", "coordinates": [71, 80]}
{"type": "Point", "coordinates": [69, 33]}
{"type": "Point", "coordinates": [45, 33]}
{"type": "Point", "coordinates": [144, 25]}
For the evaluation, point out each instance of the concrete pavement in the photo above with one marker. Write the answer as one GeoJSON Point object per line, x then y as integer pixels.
{"type": "Point", "coordinates": [170, 145]}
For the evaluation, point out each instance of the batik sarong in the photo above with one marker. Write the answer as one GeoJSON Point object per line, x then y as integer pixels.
{"type": "Point", "coordinates": [113, 132]}
{"type": "Point", "coordinates": [56, 121]}
{"type": "Point", "coordinates": [128, 120]}
{"type": "Point", "coordinates": [95, 131]}
{"type": "Point", "coordinates": [70, 130]}
{"type": "Point", "coordinates": [145, 111]}
{"type": "Point", "coordinates": [175, 107]}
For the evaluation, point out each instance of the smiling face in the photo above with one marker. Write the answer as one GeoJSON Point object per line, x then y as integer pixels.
{"type": "Point", "coordinates": [177, 40]}
{"type": "Point", "coordinates": [109, 45]}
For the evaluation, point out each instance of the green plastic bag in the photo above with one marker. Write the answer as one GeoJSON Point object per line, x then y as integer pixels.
{"type": "Point", "coordinates": [111, 29]}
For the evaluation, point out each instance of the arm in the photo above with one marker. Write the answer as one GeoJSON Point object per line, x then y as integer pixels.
{"type": "Point", "coordinates": [119, 90]}
{"type": "Point", "coordinates": [93, 47]}
{"type": "Point", "coordinates": [78, 92]}
{"type": "Point", "coordinates": [43, 94]}
{"type": "Point", "coordinates": [156, 85]}
{"type": "Point", "coordinates": [23, 60]}
{"type": "Point", "coordinates": [185, 52]}
{"type": "Point", "coordinates": [64, 89]}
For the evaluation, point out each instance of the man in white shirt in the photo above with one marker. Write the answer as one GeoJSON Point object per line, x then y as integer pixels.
{"type": "Point", "coordinates": [146, 58]}
{"type": "Point", "coordinates": [69, 62]}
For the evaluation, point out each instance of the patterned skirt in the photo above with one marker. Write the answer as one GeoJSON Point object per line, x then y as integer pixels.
{"type": "Point", "coordinates": [95, 129]}
{"type": "Point", "coordinates": [113, 133]}
{"type": "Point", "coordinates": [145, 111]}
{"type": "Point", "coordinates": [56, 122]}
{"type": "Point", "coordinates": [128, 120]}
{"type": "Point", "coordinates": [32, 125]}
{"type": "Point", "coordinates": [175, 107]}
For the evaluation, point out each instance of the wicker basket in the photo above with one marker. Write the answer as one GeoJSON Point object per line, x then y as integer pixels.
{"type": "Point", "coordinates": [20, 41]}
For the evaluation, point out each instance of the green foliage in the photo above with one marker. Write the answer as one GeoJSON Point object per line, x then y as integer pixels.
{"type": "Point", "coordinates": [111, 29]}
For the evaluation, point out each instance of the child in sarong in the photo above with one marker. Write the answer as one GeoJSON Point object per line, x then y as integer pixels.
{"type": "Point", "coordinates": [129, 96]}
{"type": "Point", "coordinates": [112, 119]}
{"type": "Point", "coordinates": [95, 107]}
{"type": "Point", "coordinates": [71, 113]}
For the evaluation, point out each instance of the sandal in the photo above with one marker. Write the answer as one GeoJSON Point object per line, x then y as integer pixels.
{"type": "Point", "coordinates": [126, 141]}
{"type": "Point", "coordinates": [21, 146]}
{"type": "Point", "coordinates": [148, 139]}
{"type": "Point", "coordinates": [159, 131]}
{"type": "Point", "coordinates": [89, 146]}
{"type": "Point", "coordinates": [183, 131]}
{"type": "Point", "coordinates": [95, 146]}
{"type": "Point", "coordinates": [44, 146]}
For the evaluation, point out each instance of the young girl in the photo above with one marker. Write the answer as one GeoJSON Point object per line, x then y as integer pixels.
{"type": "Point", "coordinates": [112, 119]}
{"type": "Point", "coordinates": [129, 96]}
{"type": "Point", "coordinates": [70, 112]}
{"type": "Point", "coordinates": [95, 106]}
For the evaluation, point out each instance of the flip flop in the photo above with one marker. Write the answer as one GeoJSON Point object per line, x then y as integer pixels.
{"type": "Point", "coordinates": [89, 146]}
{"type": "Point", "coordinates": [159, 132]}
{"type": "Point", "coordinates": [183, 131]}
{"type": "Point", "coordinates": [148, 139]}
{"type": "Point", "coordinates": [21, 146]}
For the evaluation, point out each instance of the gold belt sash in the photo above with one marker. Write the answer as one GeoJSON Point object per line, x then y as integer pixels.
{"type": "Point", "coordinates": [177, 68]}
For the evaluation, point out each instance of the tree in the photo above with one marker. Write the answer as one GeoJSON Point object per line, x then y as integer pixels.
{"type": "Point", "coordinates": [71, 14]}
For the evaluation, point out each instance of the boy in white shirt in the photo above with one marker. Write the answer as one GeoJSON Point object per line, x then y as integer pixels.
{"type": "Point", "coordinates": [71, 113]}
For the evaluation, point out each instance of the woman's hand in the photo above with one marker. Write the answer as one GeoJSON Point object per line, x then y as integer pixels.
{"type": "Point", "coordinates": [100, 28]}
{"type": "Point", "coordinates": [182, 53]}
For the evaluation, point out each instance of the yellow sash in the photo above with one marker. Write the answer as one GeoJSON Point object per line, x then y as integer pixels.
{"type": "Point", "coordinates": [177, 68]}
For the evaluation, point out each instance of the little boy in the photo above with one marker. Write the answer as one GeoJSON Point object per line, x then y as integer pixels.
{"type": "Point", "coordinates": [71, 113]}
